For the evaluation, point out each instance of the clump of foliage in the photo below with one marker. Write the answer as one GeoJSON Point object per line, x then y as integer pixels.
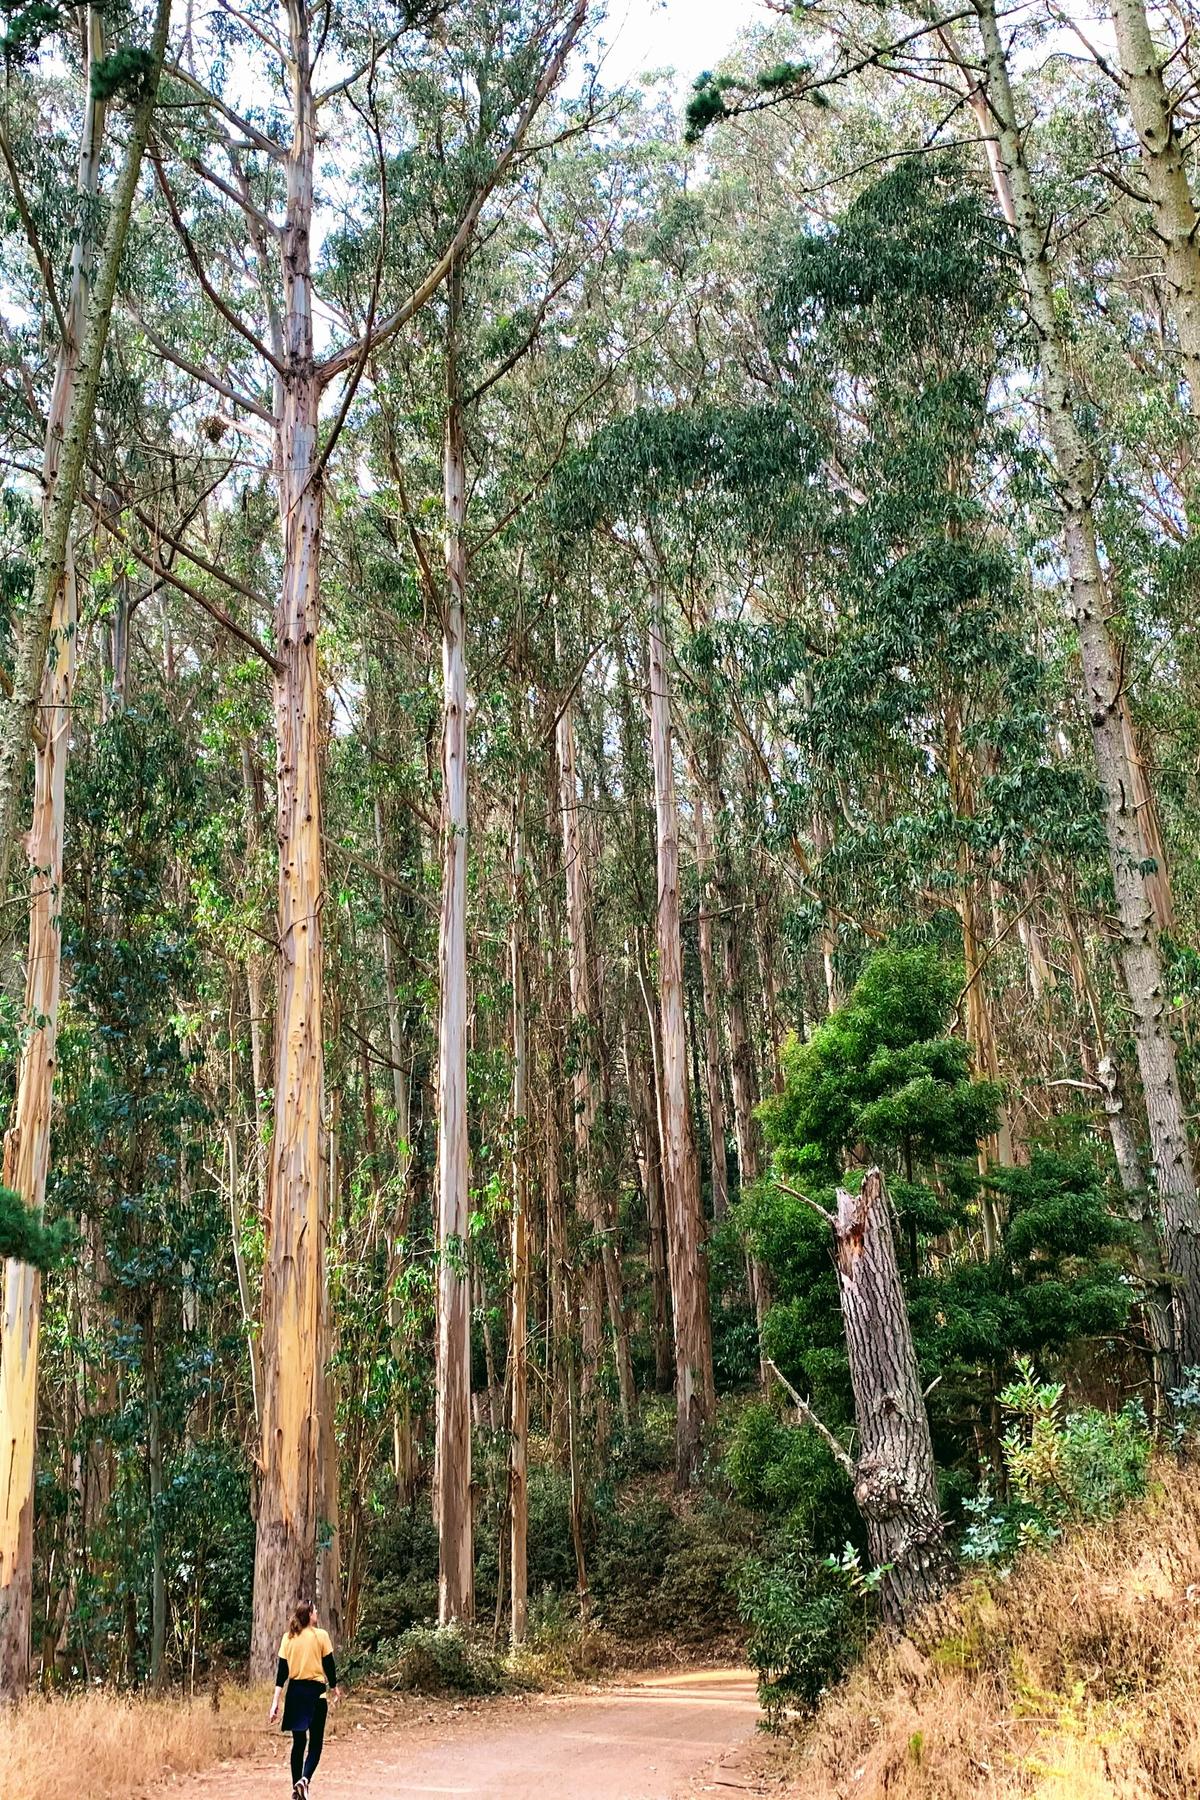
{"type": "Point", "coordinates": [789, 1477]}
{"type": "Point", "coordinates": [808, 1618]}
{"type": "Point", "coordinates": [715, 97]}
{"type": "Point", "coordinates": [884, 1081]}
{"type": "Point", "coordinates": [25, 1237]}
{"type": "Point", "coordinates": [656, 1570]}
{"type": "Point", "coordinates": [429, 1659]}
{"type": "Point", "coordinates": [1060, 1469]}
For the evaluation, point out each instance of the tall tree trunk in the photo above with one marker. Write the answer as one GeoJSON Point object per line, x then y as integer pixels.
{"type": "Point", "coordinates": [1176, 219]}
{"type": "Point", "coordinates": [595, 1206]}
{"type": "Point", "coordinates": [27, 1143]}
{"type": "Point", "coordinates": [518, 1337]}
{"type": "Point", "coordinates": [895, 1479]}
{"type": "Point", "coordinates": [1098, 1059]}
{"type": "Point", "coordinates": [744, 1080]}
{"type": "Point", "coordinates": [694, 1391]}
{"type": "Point", "coordinates": [644, 1104]}
{"type": "Point", "coordinates": [27, 1158]}
{"type": "Point", "coordinates": [252, 796]}
{"type": "Point", "coordinates": [456, 1582]}
{"type": "Point", "coordinates": [713, 1082]}
{"type": "Point", "coordinates": [1103, 674]}
{"type": "Point", "coordinates": [88, 332]}
{"type": "Point", "coordinates": [292, 1482]}
{"type": "Point", "coordinates": [154, 1464]}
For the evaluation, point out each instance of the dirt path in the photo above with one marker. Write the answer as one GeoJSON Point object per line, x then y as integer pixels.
{"type": "Point", "coordinates": [659, 1738]}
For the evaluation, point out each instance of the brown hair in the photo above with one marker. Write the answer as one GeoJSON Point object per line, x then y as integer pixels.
{"type": "Point", "coordinates": [301, 1618]}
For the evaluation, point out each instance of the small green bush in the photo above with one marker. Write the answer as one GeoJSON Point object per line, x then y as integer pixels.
{"type": "Point", "coordinates": [633, 1544]}
{"type": "Point", "coordinates": [440, 1660]}
{"type": "Point", "coordinates": [1061, 1469]}
{"type": "Point", "coordinates": [808, 1621]}
{"type": "Point", "coordinates": [776, 1469]}
{"type": "Point", "coordinates": [697, 1598]}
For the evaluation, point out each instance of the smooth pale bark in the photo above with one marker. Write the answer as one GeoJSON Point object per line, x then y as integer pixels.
{"type": "Point", "coordinates": [518, 1340]}
{"type": "Point", "coordinates": [292, 1493]}
{"type": "Point", "coordinates": [745, 1085]}
{"type": "Point", "coordinates": [456, 1579]}
{"type": "Point", "coordinates": [1176, 219]}
{"type": "Point", "coordinates": [27, 1142]}
{"type": "Point", "coordinates": [713, 1081]}
{"type": "Point", "coordinates": [695, 1398]}
{"type": "Point", "coordinates": [404, 1461]}
{"type": "Point", "coordinates": [253, 798]}
{"type": "Point", "coordinates": [1103, 677]}
{"type": "Point", "coordinates": [89, 330]}
{"type": "Point", "coordinates": [895, 1477]}
{"type": "Point", "coordinates": [596, 1208]}
{"type": "Point", "coordinates": [1098, 1059]}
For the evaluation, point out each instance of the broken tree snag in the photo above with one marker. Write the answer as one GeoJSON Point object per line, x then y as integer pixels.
{"type": "Point", "coordinates": [895, 1482]}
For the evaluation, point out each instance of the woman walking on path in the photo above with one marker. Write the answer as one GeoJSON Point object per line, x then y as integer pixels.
{"type": "Point", "coordinates": [307, 1669]}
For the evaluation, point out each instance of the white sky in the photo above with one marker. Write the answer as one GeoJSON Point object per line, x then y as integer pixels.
{"type": "Point", "coordinates": [684, 35]}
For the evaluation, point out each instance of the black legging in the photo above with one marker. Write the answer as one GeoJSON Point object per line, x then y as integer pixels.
{"type": "Point", "coordinates": [311, 1740]}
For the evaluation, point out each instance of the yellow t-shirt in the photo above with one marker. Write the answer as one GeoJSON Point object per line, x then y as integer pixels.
{"type": "Point", "coordinates": [303, 1653]}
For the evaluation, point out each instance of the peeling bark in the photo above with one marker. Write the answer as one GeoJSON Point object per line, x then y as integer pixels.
{"type": "Point", "coordinates": [292, 1495]}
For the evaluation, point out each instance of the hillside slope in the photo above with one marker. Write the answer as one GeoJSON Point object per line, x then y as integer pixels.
{"type": "Point", "coordinates": [1077, 1677]}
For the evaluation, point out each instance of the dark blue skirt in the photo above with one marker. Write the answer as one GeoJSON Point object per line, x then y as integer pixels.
{"type": "Point", "coordinates": [300, 1703]}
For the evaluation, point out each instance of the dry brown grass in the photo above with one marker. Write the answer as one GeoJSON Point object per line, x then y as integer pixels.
{"type": "Point", "coordinates": [1077, 1678]}
{"type": "Point", "coordinates": [109, 1746]}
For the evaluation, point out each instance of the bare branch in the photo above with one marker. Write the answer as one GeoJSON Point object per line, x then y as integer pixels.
{"type": "Point", "coordinates": [807, 1416]}
{"type": "Point", "coordinates": [254, 137]}
{"type": "Point", "coordinates": [224, 388]}
{"type": "Point", "coordinates": [349, 354]}
{"type": "Point", "coordinates": [40, 255]}
{"type": "Point", "coordinates": [158, 569]}
{"type": "Point", "coordinates": [785, 1187]}
{"type": "Point", "coordinates": [201, 273]}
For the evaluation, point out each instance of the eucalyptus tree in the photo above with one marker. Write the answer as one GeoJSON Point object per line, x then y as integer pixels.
{"type": "Point", "coordinates": [82, 315]}
{"type": "Point", "coordinates": [1106, 703]}
{"type": "Point", "coordinates": [130, 73]}
{"type": "Point", "coordinates": [1154, 109]}
{"type": "Point", "coordinates": [248, 236]}
{"type": "Point", "coordinates": [666, 482]}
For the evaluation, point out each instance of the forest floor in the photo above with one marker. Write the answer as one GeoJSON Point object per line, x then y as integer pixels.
{"type": "Point", "coordinates": [655, 1737]}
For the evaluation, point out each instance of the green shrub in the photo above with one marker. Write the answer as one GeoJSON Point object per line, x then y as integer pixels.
{"type": "Point", "coordinates": [808, 1621]}
{"type": "Point", "coordinates": [654, 1570]}
{"type": "Point", "coordinates": [446, 1659]}
{"type": "Point", "coordinates": [697, 1598]}
{"type": "Point", "coordinates": [1061, 1469]}
{"type": "Point", "coordinates": [1185, 1412]}
{"type": "Point", "coordinates": [633, 1544]}
{"type": "Point", "coordinates": [403, 1587]}
{"type": "Point", "coordinates": [788, 1474]}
